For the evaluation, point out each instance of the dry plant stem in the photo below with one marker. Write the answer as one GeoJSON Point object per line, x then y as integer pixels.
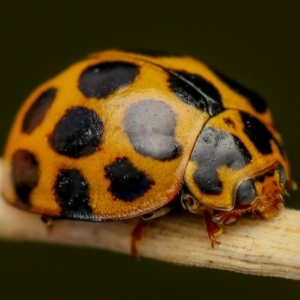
{"type": "Point", "coordinates": [268, 248]}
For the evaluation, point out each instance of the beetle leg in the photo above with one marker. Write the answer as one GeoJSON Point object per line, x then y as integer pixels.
{"type": "Point", "coordinates": [232, 216]}
{"type": "Point", "coordinates": [193, 205]}
{"type": "Point", "coordinates": [136, 235]}
{"type": "Point", "coordinates": [212, 228]}
{"type": "Point", "coordinates": [137, 232]}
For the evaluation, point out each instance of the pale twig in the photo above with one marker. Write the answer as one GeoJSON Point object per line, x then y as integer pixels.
{"type": "Point", "coordinates": [268, 248]}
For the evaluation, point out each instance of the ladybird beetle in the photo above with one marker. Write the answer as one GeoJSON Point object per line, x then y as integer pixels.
{"type": "Point", "coordinates": [122, 135]}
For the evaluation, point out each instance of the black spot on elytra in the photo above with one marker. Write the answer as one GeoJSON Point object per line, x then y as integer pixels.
{"type": "Point", "coordinates": [257, 102]}
{"type": "Point", "coordinates": [72, 194]}
{"type": "Point", "coordinates": [78, 133]}
{"type": "Point", "coordinates": [196, 91]}
{"type": "Point", "coordinates": [37, 111]}
{"type": "Point", "coordinates": [103, 79]}
{"type": "Point", "coordinates": [213, 149]}
{"type": "Point", "coordinates": [150, 126]}
{"type": "Point", "coordinates": [258, 133]}
{"type": "Point", "coordinates": [126, 182]}
{"type": "Point", "coordinates": [25, 174]}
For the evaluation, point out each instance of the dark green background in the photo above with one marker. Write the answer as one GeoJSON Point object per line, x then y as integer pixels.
{"type": "Point", "coordinates": [255, 42]}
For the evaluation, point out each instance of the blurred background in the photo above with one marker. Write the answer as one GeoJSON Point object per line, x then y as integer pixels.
{"type": "Point", "coordinates": [255, 42]}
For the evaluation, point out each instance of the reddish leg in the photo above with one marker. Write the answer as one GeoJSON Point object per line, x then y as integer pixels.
{"type": "Point", "coordinates": [137, 234]}
{"type": "Point", "coordinates": [231, 217]}
{"type": "Point", "coordinates": [212, 228]}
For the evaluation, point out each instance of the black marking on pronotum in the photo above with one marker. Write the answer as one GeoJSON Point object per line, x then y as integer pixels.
{"type": "Point", "coordinates": [127, 183]}
{"type": "Point", "coordinates": [196, 91]}
{"type": "Point", "coordinates": [72, 194]}
{"type": "Point", "coordinates": [78, 133]}
{"type": "Point", "coordinates": [103, 79]}
{"type": "Point", "coordinates": [215, 148]}
{"type": "Point", "coordinates": [150, 125]}
{"type": "Point", "coordinates": [37, 111]}
{"type": "Point", "coordinates": [229, 122]}
{"type": "Point", "coordinates": [25, 174]}
{"type": "Point", "coordinates": [257, 102]}
{"type": "Point", "coordinates": [258, 133]}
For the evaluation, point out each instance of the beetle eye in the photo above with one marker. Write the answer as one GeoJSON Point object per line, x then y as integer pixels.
{"type": "Point", "coordinates": [246, 193]}
{"type": "Point", "coordinates": [282, 175]}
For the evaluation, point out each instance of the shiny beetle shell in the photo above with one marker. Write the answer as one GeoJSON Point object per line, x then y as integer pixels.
{"type": "Point", "coordinates": [120, 135]}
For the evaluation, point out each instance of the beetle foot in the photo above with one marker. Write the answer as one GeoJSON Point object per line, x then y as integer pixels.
{"type": "Point", "coordinates": [136, 235]}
